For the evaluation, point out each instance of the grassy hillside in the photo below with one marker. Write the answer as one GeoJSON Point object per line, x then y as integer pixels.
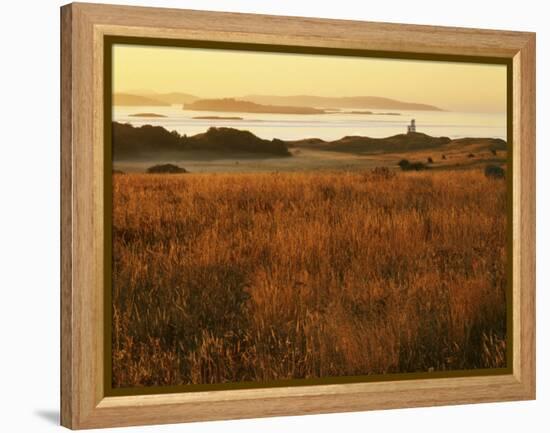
{"type": "Point", "coordinates": [146, 141]}
{"type": "Point", "coordinates": [359, 144]}
{"type": "Point", "coordinates": [130, 141]}
{"type": "Point", "coordinates": [340, 102]}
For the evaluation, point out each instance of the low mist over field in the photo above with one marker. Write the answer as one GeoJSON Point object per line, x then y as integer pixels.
{"type": "Point", "coordinates": [233, 150]}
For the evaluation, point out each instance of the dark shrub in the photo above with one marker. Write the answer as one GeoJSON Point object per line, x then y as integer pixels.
{"type": "Point", "coordinates": [166, 168]}
{"type": "Point", "coordinates": [410, 166]}
{"type": "Point", "coordinates": [417, 166]}
{"type": "Point", "coordinates": [443, 157]}
{"type": "Point", "coordinates": [430, 160]}
{"type": "Point", "coordinates": [495, 172]}
{"type": "Point", "coordinates": [471, 155]}
{"type": "Point", "coordinates": [404, 163]}
{"type": "Point", "coordinates": [494, 151]}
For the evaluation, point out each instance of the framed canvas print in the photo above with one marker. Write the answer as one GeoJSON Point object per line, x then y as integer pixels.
{"type": "Point", "coordinates": [271, 216]}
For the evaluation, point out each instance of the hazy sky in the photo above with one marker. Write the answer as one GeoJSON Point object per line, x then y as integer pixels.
{"type": "Point", "coordinates": [217, 73]}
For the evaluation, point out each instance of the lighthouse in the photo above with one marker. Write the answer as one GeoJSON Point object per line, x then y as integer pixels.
{"type": "Point", "coordinates": [412, 127]}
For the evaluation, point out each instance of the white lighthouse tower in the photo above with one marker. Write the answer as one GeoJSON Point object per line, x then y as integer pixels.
{"type": "Point", "coordinates": [412, 127]}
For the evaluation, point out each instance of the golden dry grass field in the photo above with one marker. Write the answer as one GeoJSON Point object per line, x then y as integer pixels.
{"type": "Point", "coordinates": [256, 277]}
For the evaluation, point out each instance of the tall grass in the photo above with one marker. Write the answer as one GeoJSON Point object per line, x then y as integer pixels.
{"type": "Point", "coordinates": [254, 277]}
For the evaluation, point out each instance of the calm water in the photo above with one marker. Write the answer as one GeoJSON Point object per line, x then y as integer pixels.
{"type": "Point", "coordinates": [324, 126]}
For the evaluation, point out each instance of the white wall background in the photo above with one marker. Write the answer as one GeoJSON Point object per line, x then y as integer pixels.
{"type": "Point", "coordinates": [29, 216]}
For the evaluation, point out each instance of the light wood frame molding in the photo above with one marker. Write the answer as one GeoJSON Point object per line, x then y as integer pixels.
{"type": "Point", "coordinates": [83, 401]}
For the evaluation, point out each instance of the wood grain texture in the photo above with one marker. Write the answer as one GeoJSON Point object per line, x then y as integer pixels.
{"type": "Point", "coordinates": [83, 403]}
{"type": "Point", "coordinates": [67, 389]}
{"type": "Point", "coordinates": [524, 133]}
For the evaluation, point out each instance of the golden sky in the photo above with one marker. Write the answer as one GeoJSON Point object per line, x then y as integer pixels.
{"type": "Point", "coordinates": [217, 73]}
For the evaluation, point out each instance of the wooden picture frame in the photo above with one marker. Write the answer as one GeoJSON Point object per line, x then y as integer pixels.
{"type": "Point", "coordinates": [84, 27]}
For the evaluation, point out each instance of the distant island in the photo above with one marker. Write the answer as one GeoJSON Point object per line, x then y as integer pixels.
{"type": "Point", "coordinates": [236, 105]}
{"type": "Point", "coordinates": [177, 98]}
{"type": "Point", "coordinates": [147, 115]}
{"type": "Point", "coordinates": [219, 117]}
{"type": "Point", "coordinates": [152, 99]}
{"type": "Point", "coordinates": [126, 99]}
{"type": "Point", "coordinates": [340, 101]}
{"type": "Point", "coordinates": [285, 104]}
{"type": "Point", "coordinates": [366, 112]}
